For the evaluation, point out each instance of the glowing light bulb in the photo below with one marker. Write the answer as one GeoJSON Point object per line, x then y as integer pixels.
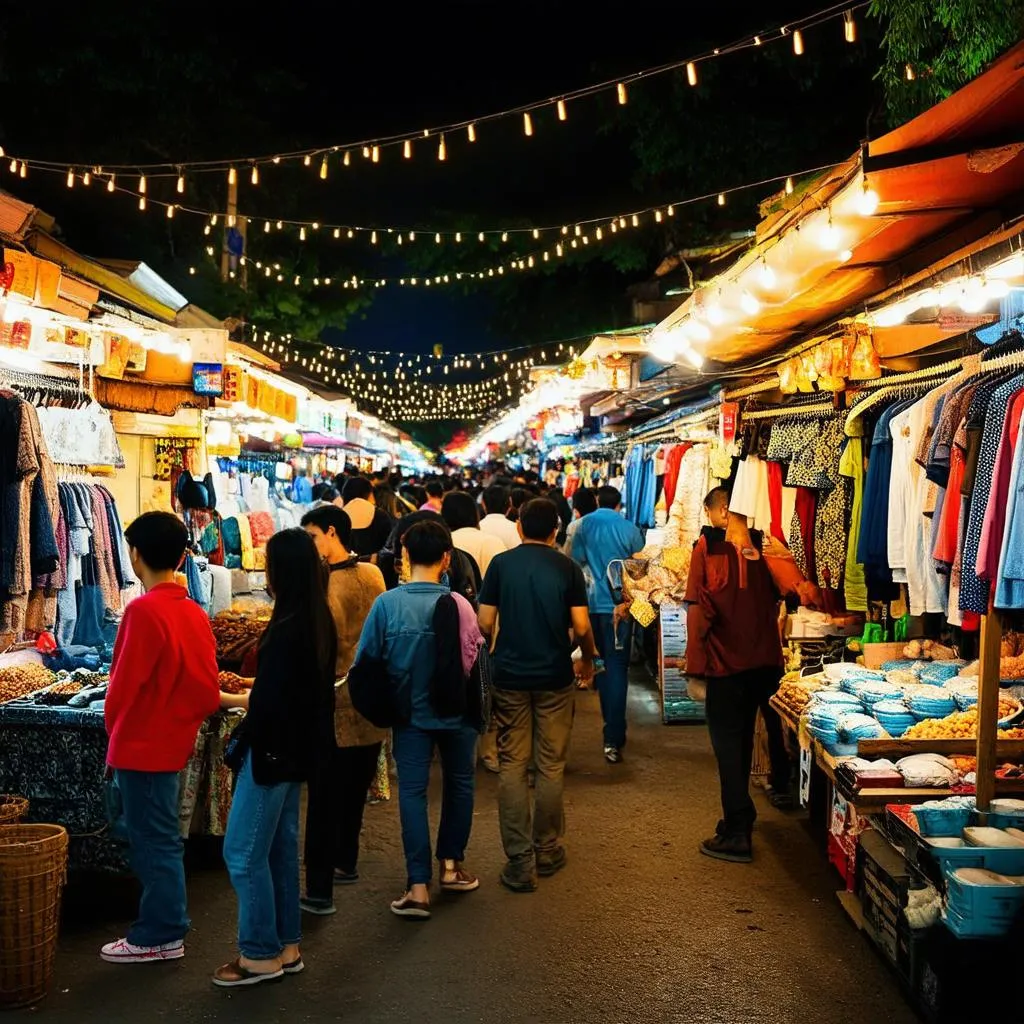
{"type": "Point", "coordinates": [845, 255]}
{"type": "Point", "coordinates": [407, 149]}
{"type": "Point", "coordinates": [698, 331]}
{"type": "Point", "coordinates": [867, 201]}
{"type": "Point", "coordinates": [657, 216]}
{"type": "Point", "coordinates": [789, 186]}
{"type": "Point", "coordinates": [909, 72]}
{"type": "Point", "coordinates": [254, 178]}
{"type": "Point", "coordinates": [373, 237]}
{"type": "Point", "coordinates": [302, 234]}
{"type": "Point", "coordinates": [671, 211]}
{"type": "Point", "coordinates": [563, 114]}
{"type": "Point", "coordinates": [620, 90]}
{"type": "Point", "coordinates": [14, 167]}
{"type": "Point", "coordinates": [598, 234]}
{"type": "Point", "coordinates": [721, 199]}
{"type": "Point", "coordinates": [849, 27]}
{"type": "Point", "coordinates": [798, 43]}
{"type": "Point", "coordinates": [504, 236]}
{"type": "Point", "coordinates": [715, 313]}
{"type": "Point", "coordinates": [142, 202]}
{"type": "Point", "coordinates": [170, 212]}
{"type": "Point", "coordinates": [232, 176]}
{"type": "Point", "coordinates": [481, 236]}
{"type": "Point", "coordinates": [458, 236]}
{"type": "Point", "coordinates": [691, 73]}
{"type": "Point", "coordinates": [181, 184]}
{"type": "Point", "coordinates": [375, 154]}
{"type": "Point", "coordinates": [437, 238]}
{"type": "Point", "coordinates": [527, 123]}
{"type": "Point", "coordinates": [471, 132]}
{"type": "Point", "coordinates": [766, 276]}
{"type": "Point", "coordinates": [636, 220]}
{"type": "Point", "coordinates": [142, 184]}
{"type": "Point", "coordinates": [828, 236]}
{"type": "Point", "coordinates": [749, 304]}
{"type": "Point", "coordinates": [577, 230]}
{"type": "Point", "coordinates": [266, 227]}
{"type": "Point", "coordinates": [323, 169]}
{"type": "Point", "coordinates": [366, 152]}
{"type": "Point", "coordinates": [87, 178]}
{"type": "Point", "coordinates": [71, 178]}
{"type": "Point", "coordinates": [442, 149]}
{"type": "Point", "coordinates": [347, 159]}
{"type": "Point", "coordinates": [307, 160]}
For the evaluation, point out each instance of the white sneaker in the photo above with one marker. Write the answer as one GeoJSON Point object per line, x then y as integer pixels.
{"type": "Point", "coordinates": [123, 952]}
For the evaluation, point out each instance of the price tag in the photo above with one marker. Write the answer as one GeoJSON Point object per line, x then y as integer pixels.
{"type": "Point", "coordinates": [806, 760]}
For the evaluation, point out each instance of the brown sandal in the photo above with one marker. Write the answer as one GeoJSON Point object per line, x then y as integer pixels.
{"type": "Point", "coordinates": [406, 907]}
{"type": "Point", "coordinates": [234, 975]}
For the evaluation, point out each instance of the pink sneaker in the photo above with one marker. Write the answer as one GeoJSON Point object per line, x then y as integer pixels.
{"type": "Point", "coordinates": [123, 952]}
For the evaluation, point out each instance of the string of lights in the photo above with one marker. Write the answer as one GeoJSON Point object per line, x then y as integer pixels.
{"type": "Point", "coordinates": [439, 137]}
{"type": "Point", "coordinates": [582, 234]}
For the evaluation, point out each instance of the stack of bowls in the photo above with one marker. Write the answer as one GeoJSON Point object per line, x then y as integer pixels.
{"type": "Point", "coordinates": [894, 716]}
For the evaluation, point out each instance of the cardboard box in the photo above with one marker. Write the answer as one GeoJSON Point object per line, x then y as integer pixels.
{"type": "Point", "coordinates": [884, 877]}
{"type": "Point", "coordinates": [876, 655]}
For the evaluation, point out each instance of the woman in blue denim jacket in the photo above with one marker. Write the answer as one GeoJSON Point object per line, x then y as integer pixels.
{"type": "Point", "coordinates": [400, 632]}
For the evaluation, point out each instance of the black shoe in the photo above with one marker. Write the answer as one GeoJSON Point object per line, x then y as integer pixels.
{"type": "Point", "coordinates": [550, 862]}
{"type": "Point", "coordinates": [732, 848]}
{"type": "Point", "coordinates": [780, 799]}
{"type": "Point", "coordinates": [345, 877]}
{"type": "Point", "coordinates": [519, 878]}
{"type": "Point", "coordinates": [322, 908]}
{"type": "Point", "coordinates": [613, 755]}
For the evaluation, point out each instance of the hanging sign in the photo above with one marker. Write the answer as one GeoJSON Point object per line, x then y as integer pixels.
{"type": "Point", "coordinates": [6, 278]}
{"type": "Point", "coordinates": [24, 281]}
{"type": "Point", "coordinates": [728, 420]}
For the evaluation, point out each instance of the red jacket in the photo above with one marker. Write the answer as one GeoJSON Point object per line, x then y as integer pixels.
{"type": "Point", "coordinates": [163, 681]}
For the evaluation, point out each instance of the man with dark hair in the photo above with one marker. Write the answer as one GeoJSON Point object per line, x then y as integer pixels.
{"type": "Point", "coordinates": [337, 797]}
{"type": "Point", "coordinates": [163, 684]}
{"type": "Point", "coordinates": [584, 501]}
{"type": "Point", "coordinates": [435, 494]}
{"type": "Point", "coordinates": [497, 502]}
{"type": "Point", "coordinates": [371, 526]}
{"type": "Point", "coordinates": [604, 537]}
{"type": "Point", "coordinates": [541, 597]}
{"type": "Point", "coordinates": [400, 631]}
{"type": "Point", "coordinates": [459, 513]}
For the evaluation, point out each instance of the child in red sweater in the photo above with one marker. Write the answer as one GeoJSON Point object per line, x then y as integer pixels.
{"type": "Point", "coordinates": [163, 684]}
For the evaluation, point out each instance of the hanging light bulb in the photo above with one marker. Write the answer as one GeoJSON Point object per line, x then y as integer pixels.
{"type": "Point", "coordinates": [266, 227]}
{"type": "Point", "coordinates": [442, 149]}
{"type": "Point", "coordinates": [828, 237]}
{"type": "Point", "coordinates": [749, 304]}
{"type": "Point", "coordinates": [909, 72]}
{"type": "Point", "coordinates": [721, 199]}
{"type": "Point", "coordinates": [789, 186]}
{"type": "Point", "coordinates": [563, 114]}
{"type": "Point", "coordinates": [437, 238]}
{"type": "Point", "coordinates": [87, 178]}
{"type": "Point", "coordinates": [375, 154]}
{"type": "Point", "coordinates": [636, 220]}
{"type": "Point", "coordinates": [481, 236]}
{"type": "Point", "coordinates": [867, 201]}
{"type": "Point", "coordinates": [373, 237]}
{"type": "Point", "coordinates": [170, 211]}
{"type": "Point", "coordinates": [142, 184]}
{"type": "Point", "coordinates": [527, 123]}
{"type": "Point", "coordinates": [598, 234]}
{"type": "Point", "coordinates": [302, 233]}
{"type": "Point", "coordinates": [14, 167]}
{"type": "Point", "coordinates": [232, 176]}
{"type": "Point", "coordinates": [766, 275]}
{"type": "Point", "coordinates": [366, 152]}
{"type": "Point", "coordinates": [671, 211]}
{"type": "Point", "coordinates": [323, 168]}
{"type": "Point", "coordinates": [307, 160]}
{"type": "Point", "coordinates": [691, 73]}
{"type": "Point", "coordinates": [142, 202]}
{"type": "Point", "coordinates": [798, 43]}
{"type": "Point", "coordinates": [757, 40]}
{"type": "Point", "coordinates": [504, 236]}
{"type": "Point", "coordinates": [620, 90]}
{"type": "Point", "coordinates": [407, 149]}
{"type": "Point", "coordinates": [849, 27]}
{"type": "Point", "coordinates": [110, 184]}
{"type": "Point", "coordinates": [471, 132]}
{"type": "Point", "coordinates": [657, 216]}
{"type": "Point", "coordinates": [347, 159]}
{"type": "Point", "coordinates": [254, 178]}
{"type": "Point", "coordinates": [181, 184]}
{"type": "Point", "coordinates": [71, 178]}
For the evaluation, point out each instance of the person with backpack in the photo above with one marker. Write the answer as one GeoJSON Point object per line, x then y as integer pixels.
{"type": "Point", "coordinates": [423, 638]}
{"type": "Point", "coordinates": [462, 575]}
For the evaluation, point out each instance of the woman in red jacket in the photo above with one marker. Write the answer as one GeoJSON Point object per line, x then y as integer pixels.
{"type": "Point", "coordinates": [163, 684]}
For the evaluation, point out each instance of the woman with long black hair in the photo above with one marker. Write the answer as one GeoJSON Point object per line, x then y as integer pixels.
{"type": "Point", "coordinates": [287, 735]}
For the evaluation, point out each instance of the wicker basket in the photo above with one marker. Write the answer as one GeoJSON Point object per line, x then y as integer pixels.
{"type": "Point", "coordinates": [12, 809]}
{"type": "Point", "coordinates": [33, 865]}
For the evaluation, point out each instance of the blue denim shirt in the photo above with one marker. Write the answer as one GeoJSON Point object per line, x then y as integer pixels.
{"type": "Point", "coordinates": [400, 631]}
{"type": "Point", "coordinates": [602, 537]}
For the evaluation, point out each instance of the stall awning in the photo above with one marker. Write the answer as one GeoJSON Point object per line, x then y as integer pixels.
{"type": "Point", "coordinates": [949, 177]}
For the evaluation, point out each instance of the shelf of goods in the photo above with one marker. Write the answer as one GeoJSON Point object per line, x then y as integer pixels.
{"type": "Point", "coordinates": [676, 703]}
{"type": "Point", "coordinates": [53, 750]}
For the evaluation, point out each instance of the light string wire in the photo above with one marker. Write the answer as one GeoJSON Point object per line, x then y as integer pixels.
{"type": "Point", "coordinates": [169, 168]}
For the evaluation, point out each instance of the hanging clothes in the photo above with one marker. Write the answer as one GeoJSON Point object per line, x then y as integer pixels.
{"type": "Point", "coordinates": [673, 460]}
{"type": "Point", "coordinates": [639, 496]}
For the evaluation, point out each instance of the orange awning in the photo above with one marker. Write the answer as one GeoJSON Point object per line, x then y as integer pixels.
{"type": "Point", "coordinates": [947, 179]}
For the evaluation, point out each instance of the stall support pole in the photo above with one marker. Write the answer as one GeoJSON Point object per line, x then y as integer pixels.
{"type": "Point", "coordinates": [988, 707]}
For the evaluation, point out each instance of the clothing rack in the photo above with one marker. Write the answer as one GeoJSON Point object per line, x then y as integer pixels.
{"type": "Point", "coordinates": [791, 411]}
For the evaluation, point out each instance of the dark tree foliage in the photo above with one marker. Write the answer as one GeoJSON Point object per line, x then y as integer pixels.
{"type": "Point", "coordinates": [945, 43]}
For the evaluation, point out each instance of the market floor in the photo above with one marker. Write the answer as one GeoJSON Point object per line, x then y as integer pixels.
{"type": "Point", "coordinates": [639, 927]}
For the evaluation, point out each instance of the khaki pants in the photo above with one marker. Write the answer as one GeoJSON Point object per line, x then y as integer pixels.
{"type": "Point", "coordinates": [532, 724]}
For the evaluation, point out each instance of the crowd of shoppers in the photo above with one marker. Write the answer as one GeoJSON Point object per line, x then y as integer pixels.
{"type": "Point", "coordinates": [400, 612]}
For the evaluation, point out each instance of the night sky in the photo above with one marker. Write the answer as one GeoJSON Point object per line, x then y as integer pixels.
{"type": "Point", "coordinates": [155, 80]}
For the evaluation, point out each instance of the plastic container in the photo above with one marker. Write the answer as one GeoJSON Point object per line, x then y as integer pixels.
{"type": "Point", "coordinates": [952, 854]}
{"type": "Point", "coordinates": [942, 821]}
{"type": "Point", "coordinates": [980, 895]}
{"type": "Point", "coordinates": [980, 835]}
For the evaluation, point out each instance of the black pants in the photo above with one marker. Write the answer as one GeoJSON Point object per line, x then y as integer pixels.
{"type": "Point", "coordinates": [336, 800]}
{"type": "Point", "coordinates": [731, 709]}
{"type": "Point", "coordinates": [778, 754]}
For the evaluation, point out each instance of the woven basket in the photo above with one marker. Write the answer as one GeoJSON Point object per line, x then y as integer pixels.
{"type": "Point", "coordinates": [12, 809]}
{"type": "Point", "coordinates": [33, 866]}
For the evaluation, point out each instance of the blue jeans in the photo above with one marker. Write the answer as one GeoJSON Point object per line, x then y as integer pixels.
{"type": "Point", "coordinates": [414, 751]}
{"type": "Point", "coordinates": [613, 682]}
{"type": "Point", "coordinates": [150, 801]}
{"type": "Point", "coordinates": [261, 850]}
